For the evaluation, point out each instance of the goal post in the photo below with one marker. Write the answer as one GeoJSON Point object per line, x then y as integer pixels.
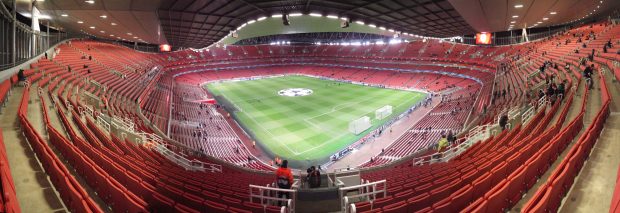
{"type": "Point", "coordinates": [383, 112]}
{"type": "Point", "coordinates": [359, 125]}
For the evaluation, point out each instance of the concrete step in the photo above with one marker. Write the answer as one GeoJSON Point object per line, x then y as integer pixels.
{"type": "Point", "coordinates": [33, 187]}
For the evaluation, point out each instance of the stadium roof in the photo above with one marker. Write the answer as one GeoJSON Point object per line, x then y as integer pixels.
{"type": "Point", "coordinates": [199, 23]}
{"type": "Point", "coordinates": [214, 19]}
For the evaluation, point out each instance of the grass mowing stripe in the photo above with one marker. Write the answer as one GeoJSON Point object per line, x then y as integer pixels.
{"type": "Point", "coordinates": [308, 128]}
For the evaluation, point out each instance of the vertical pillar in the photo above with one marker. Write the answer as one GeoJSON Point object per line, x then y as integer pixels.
{"type": "Point", "coordinates": [14, 53]}
{"type": "Point", "coordinates": [48, 36]}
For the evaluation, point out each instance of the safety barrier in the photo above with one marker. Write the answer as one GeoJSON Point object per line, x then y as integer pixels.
{"type": "Point", "coordinates": [368, 191]}
{"type": "Point", "coordinates": [269, 196]}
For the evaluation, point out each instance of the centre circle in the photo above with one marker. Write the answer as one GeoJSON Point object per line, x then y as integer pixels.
{"type": "Point", "coordinates": [295, 92]}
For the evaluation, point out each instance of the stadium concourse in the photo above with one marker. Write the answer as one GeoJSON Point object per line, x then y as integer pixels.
{"type": "Point", "coordinates": [98, 123]}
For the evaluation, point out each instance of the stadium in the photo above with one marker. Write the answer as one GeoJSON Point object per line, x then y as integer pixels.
{"type": "Point", "coordinates": [310, 106]}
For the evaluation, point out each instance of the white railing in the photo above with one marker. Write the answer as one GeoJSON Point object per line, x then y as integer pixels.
{"type": "Point", "coordinates": [269, 196]}
{"type": "Point", "coordinates": [123, 123]}
{"type": "Point", "coordinates": [529, 113]}
{"type": "Point", "coordinates": [103, 123]}
{"type": "Point", "coordinates": [367, 191]}
{"type": "Point", "coordinates": [89, 110]}
{"type": "Point", "coordinates": [476, 134]}
{"type": "Point", "coordinates": [156, 143]}
{"type": "Point", "coordinates": [514, 112]}
{"type": "Point", "coordinates": [344, 177]}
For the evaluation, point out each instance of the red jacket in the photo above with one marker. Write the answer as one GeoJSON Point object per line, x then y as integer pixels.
{"type": "Point", "coordinates": [284, 172]}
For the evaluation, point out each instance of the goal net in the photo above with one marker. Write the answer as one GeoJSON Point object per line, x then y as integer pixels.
{"type": "Point", "coordinates": [383, 112]}
{"type": "Point", "coordinates": [359, 125]}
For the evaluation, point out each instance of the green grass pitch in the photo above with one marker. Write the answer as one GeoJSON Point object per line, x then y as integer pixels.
{"type": "Point", "coordinates": [308, 128]}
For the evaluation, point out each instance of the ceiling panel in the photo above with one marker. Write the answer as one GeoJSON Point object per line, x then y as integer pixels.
{"type": "Point", "coordinates": [138, 17]}
{"type": "Point", "coordinates": [411, 16]}
{"type": "Point", "coordinates": [497, 15]}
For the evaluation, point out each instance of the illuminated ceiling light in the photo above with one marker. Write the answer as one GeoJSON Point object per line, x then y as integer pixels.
{"type": "Point", "coordinates": [276, 16]}
{"type": "Point", "coordinates": [512, 22]}
{"type": "Point", "coordinates": [64, 15]}
{"type": "Point", "coordinates": [135, 37]}
{"type": "Point", "coordinates": [391, 30]}
{"type": "Point", "coordinates": [515, 16]}
{"type": "Point", "coordinates": [372, 25]}
{"type": "Point", "coordinates": [540, 22]}
{"type": "Point", "coordinates": [80, 22]}
{"type": "Point", "coordinates": [102, 31]}
{"type": "Point", "coordinates": [111, 35]}
{"type": "Point", "coordinates": [113, 24]}
{"type": "Point", "coordinates": [518, 6]}
{"type": "Point", "coordinates": [332, 16]}
{"type": "Point", "coordinates": [553, 13]}
{"type": "Point", "coordinates": [261, 18]}
{"type": "Point", "coordinates": [295, 14]}
{"type": "Point", "coordinates": [92, 27]}
{"type": "Point", "coordinates": [90, 1]}
{"type": "Point", "coordinates": [545, 19]}
{"type": "Point", "coordinates": [251, 21]}
{"type": "Point", "coordinates": [344, 18]}
{"type": "Point", "coordinates": [359, 22]}
{"type": "Point", "coordinates": [315, 15]}
{"type": "Point", "coordinates": [103, 16]}
{"type": "Point", "coordinates": [129, 34]}
{"type": "Point", "coordinates": [382, 28]}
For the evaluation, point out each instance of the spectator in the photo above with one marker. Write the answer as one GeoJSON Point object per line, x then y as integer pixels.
{"type": "Point", "coordinates": [451, 137]}
{"type": "Point", "coordinates": [561, 89]}
{"type": "Point", "coordinates": [605, 49]}
{"type": "Point", "coordinates": [442, 143]}
{"type": "Point", "coordinates": [284, 179]}
{"type": "Point", "coordinates": [21, 76]}
{"type": "Point", "coordinates": [90, 58]}
{"type": "Point", "coordinates": [587, 73]}
{"type": "Point", "coordinates": [503, 121]}
{"type": "Point", "coordinates": [69, 68]}
{"type": "Point", "coordinates": [314, 177]}
{"type": "Point", "coordinates": [541, 94]}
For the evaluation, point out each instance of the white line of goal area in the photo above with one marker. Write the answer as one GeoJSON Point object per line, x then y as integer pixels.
{"type": "Point", "coordinates": [258, 124]}
{"type": "Point", "coordinates": [336, 137]}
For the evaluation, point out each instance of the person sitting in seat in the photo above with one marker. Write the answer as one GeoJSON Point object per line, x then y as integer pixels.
{"type": "Point", "coordinates": [21, 77]}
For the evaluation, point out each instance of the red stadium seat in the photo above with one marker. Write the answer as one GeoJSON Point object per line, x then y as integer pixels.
{"type": "Point", "coordinates": [481, 185]}
{"type": "Point", "coordinates": [496, 197]}
{"type": "Point", "coordinates": [516, 185]}
{"type": "Point", "coordinates": [184, 209]}
{"type": "Point", "coordinates": [215, 207]}
{"type": "Point", "coordinates": [443, 206]}
{"type": "Point", "coordinates": [418, 202]}
{"type": "Point", "coordinates": [398, 207]}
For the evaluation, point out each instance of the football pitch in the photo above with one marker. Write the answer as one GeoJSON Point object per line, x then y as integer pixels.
{"type": "Point", "coordinates": [308, 128]}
